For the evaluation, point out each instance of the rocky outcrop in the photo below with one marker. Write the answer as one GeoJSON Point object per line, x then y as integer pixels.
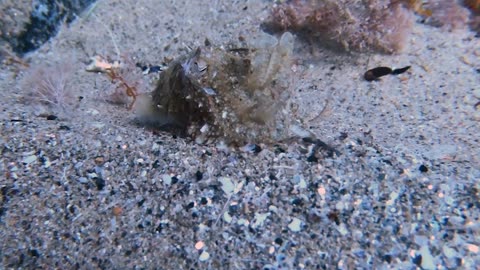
{"type": "Point", "coordinates": [26, 24]}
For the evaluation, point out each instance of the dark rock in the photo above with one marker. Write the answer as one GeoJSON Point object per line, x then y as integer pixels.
{"type": "Point", "coordinates": [199, 175]}
{"type": "Point", "coordinates": [34, 253]}
{"type": "Point", "coordinates": [45, 17]}
{"type": "Point", "coordinates": [190, 206]}
{"type": "Point", "coordinates": [312, 158]}
{"type": "Point", "coordinates": [417, 260]}
{"type": "Point", "coordinates": [279, 241]}
{"type": "Point", "coordinates": [100, 183]}
{"type": "Point", "coordinates": [174, 180]}
{"type": "Point", "coordinates": [423, 168]}
{"type": "Point", "coordinates": [272, 177]}
{"type": "Point", "coordinates": [297, 202]}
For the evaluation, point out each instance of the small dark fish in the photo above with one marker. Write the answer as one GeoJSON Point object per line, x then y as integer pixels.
{"type": "Point", "coordinates": [375, 73]}
{"type": "Point", "coordinates": [148, 69]}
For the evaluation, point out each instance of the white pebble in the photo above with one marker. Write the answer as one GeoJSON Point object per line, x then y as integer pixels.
{"type": "Point", "coordinates": [427, 258]}
{"type": "Point", "coordinates": [227, 185]}
{"type": "Point", "coordinates": [227, 217]}
{"type": "Point", "coordinates": [259, 219]}
{"type": "Point", "coordinates": [204, 256]}
{"type": "Point", "coordinates": [29, 159]}
{"type": "Point", "coordinates": [302, 183]}
{"type": "Point", "coordinates": [273, 209]}
{"type": "Point", "coordinates": [167, 179]}
{"type": "Point", "coordinates": [340, 206]}
{"type": "Point", "coordinates": [243, 221]}
{"type": "Point", "coordinates": [342, 229]}
{"type": "Point", "coordinates": [93, 112]}
{"type": "Point", "coordinates": [47, 163]}
{"type": "Point", "coordinates": [449, 252]}
{"type": "Point", "coordinates": [83, 180]}
{"type": "Point", "coordinates": [393, 197]}
{"type": "Point", "coordinates": [97, 125]}
{"type": "Point", "coordinates": [295, 225]}
{"type": "Point", "coordinates": [204, 128]}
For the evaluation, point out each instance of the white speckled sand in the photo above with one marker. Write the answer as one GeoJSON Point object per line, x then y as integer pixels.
{"type": "Point", "coordinates": [91, 190]}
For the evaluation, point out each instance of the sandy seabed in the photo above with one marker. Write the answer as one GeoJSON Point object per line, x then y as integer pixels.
{"type": "Point", "coordinates": [90, 189]}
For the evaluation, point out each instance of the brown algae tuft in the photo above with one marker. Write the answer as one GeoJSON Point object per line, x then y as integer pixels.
{"type": "Point", "coordinates": [238, 94]}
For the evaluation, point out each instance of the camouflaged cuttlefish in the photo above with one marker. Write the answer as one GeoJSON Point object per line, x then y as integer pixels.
{"type": "Point", "coordinates": [236, 94]}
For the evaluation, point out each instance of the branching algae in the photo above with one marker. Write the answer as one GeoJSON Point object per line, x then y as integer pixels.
{"type": "Point", "coordinates": [237, 94]}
